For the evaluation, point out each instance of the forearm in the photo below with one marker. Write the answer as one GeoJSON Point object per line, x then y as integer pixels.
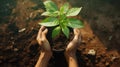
{"type": "Point", "coordinates": [72, 60]}
{"type": "Point", "coordinates": [43, 60]}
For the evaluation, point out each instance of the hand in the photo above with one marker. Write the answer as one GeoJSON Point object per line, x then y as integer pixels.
{"type": "Point", "coordinates": [70, 52]}
{"type": "Point", "coordinates": [42, 40]}
{"type": "Point", "coordinates": [72, 46]}
{"type": "Point", "coordinates": [46, 52]}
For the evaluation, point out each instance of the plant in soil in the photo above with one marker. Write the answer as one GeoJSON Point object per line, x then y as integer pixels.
{"type": "Point", "coordinates": [60, 19]}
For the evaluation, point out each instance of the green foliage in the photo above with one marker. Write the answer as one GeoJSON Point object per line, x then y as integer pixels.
{"type": "Point", "coordinates": [56, 31]}
{"type": "Point", "coordinates": [50, 21]}
{"type": "Point", "coordinates": [50, 6]}
{"type": "Point", "coordinates": [59, 18]}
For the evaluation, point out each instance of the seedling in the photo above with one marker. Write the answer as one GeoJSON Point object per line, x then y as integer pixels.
{"type": "Point", "coordinates": [60, 18]}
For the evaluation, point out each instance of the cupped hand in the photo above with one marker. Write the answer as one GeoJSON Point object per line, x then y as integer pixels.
{"type": "Point", "coordinates": [46, 52]}
{"type": "Point", "coordinates": [42, 40]}
{"type": "Point", "coordinates": [72, 46]}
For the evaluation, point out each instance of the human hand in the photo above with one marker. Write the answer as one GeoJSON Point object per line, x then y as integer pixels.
{"type": "Point", "coordinates": [72, 46]}
{"type": "Point", "coordinates": [70, 52]}
{"type": "Point", "coordinates": [46, 52]}
{"type": "Point", "coordinates": [42, 40]}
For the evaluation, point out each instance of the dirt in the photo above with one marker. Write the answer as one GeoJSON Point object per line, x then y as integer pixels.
{"type": "Point", "coordinates": [60, 42]}
{"type": "Point", "coordinates": [18, 45]}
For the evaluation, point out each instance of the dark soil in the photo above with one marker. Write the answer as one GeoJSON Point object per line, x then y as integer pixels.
{"type": "Point", "coordinates": [18, 45]}
{"type": "Point", "coordinates": [60, 42]}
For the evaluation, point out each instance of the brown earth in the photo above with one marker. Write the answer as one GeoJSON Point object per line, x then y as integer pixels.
{"type": "Point", "coordinates": [18, 46]}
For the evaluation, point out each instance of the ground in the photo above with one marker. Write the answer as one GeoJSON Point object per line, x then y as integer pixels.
{"type": "Point", "coordinates": [19, 27]}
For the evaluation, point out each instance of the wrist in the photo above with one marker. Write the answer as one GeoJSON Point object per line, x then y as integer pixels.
{"type": "Point", "coordinates": [46, 55]}
{"type": "Point", "coordinates": [70, 54]}
{"type": "Point", "coordinates": [43, 59]}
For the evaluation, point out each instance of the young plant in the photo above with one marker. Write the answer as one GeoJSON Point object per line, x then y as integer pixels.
{"type": "Point", "coordinates": [59, 18]}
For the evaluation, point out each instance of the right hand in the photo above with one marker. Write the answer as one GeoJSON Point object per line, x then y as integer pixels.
{"type": "Point", "coordinates": [72, 46]}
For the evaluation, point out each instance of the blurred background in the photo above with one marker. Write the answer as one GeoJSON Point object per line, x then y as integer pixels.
{"type": "Point", "coordinates": [104, 18]}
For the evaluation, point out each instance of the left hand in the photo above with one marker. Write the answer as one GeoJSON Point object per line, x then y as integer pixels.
{"type": "Point", "coordinates": [42, 40]}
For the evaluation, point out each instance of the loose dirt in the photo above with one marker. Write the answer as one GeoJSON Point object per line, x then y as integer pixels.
{"type": "Point", "coordinates": [18, 45]}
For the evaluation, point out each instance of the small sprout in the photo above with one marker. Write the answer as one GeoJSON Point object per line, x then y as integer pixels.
{"type": "Point", "coordinates": [60, 18]}
{"type": "Point", "coordinates": [92, 52]}
{"type": "Point", "coordinates": [22, 30]}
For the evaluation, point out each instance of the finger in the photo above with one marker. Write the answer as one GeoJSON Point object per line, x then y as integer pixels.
{"type": "Point", "coordinates": [76, 31]}
{"type": "Point", "coordinates": [45, 31]}
{"type": "Point", "coordinates": [40, 32]}
{"type": "Point", "coordinates": [76, 34]}
{"type": "Point", "coordinates": [42, 28]}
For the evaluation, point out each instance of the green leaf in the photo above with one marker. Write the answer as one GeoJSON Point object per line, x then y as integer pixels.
{"type": "Point", "coordinates": [56, 31]}
{"type": "Point", "coordinates": [64, 8]}
{"type": "Point", "coordinates": [74, 23]}
{"type": "Point", "coordinates": [49, 22]}
{"type": "Point", "coordinates": [46, 14]}
{"type": "Point", "coordinates": [74, 11]}
{"type": "Point", "coordinates": [52, 14]}
{"type": "Point", "coordinates": [50, 19]}
{"type": "Point", "coordinates": [50, 6]}
{"type": "Point", "coordinates": [66, 31]}
{"type": "Point", "coordinates": [64, 22]}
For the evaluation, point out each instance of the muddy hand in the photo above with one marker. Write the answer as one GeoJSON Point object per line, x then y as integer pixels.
{"type": "Point", "coordinates": [72, 46]}
{"type": "Point", "coordinates": [42, 40]}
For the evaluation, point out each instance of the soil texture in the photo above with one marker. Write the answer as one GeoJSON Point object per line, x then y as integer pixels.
{"type": "Point", "coordinates": [19, 48]}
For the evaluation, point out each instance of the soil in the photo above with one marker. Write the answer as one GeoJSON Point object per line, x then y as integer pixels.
{"type": "Point", "coordinates": [59, 43]}
{"type": "Point", "coordinates": [19, 28]}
